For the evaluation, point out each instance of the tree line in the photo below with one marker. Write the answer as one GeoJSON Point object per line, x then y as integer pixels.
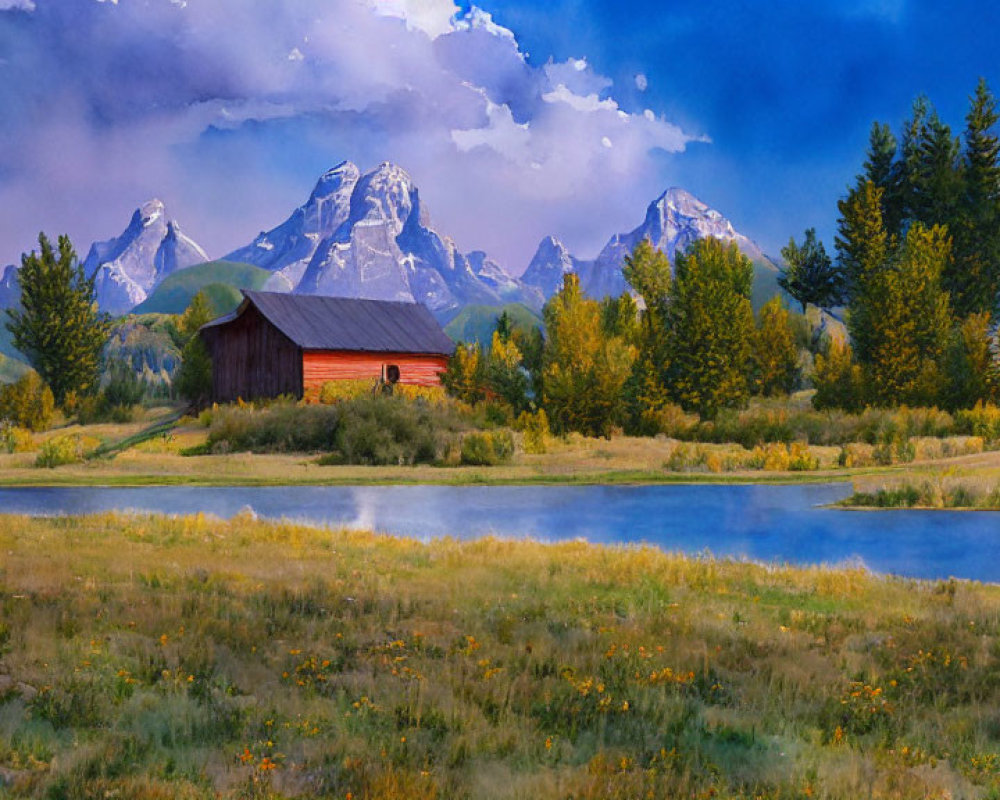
{"type": "Point", "coordinates": [63, 335]}
{"type": "Point", "coordinates": [611, 364]}
{"type": "Point", "coordinates": [917, 266]}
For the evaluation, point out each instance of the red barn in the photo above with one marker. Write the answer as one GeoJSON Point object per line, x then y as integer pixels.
{"type": "Point", "coordinates": [276, 344]}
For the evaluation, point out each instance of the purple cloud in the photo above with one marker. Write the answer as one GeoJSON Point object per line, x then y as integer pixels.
{"type": "Point", "coordinates": [228, 110]}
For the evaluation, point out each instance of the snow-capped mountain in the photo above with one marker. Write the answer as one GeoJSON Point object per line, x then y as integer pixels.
{"type": "Point", "coordinates": [385, 249]}
{"type": "Point", "coordinates": [10, 288]}
{"type": "Point", "coordinates": [673, 221]}
{"type": "Point", "coordinates": [130, 266]}
{"type": "Point", "coordinates": [551, 262]}
{"type": "Point", "coordinates": [287, 249]}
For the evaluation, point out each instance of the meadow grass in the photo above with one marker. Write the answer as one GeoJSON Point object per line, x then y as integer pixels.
{"type": "Point", "coordinates": [150, 657]}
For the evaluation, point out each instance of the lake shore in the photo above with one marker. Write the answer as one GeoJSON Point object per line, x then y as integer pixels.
{"type": "Point", "coordinates": [575, 461]}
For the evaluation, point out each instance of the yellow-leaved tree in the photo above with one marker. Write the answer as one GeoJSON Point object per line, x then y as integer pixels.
{"type": "Point", "coordinates": [584, 368]}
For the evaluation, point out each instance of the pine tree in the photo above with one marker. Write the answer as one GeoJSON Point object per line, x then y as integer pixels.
{"type": "Point", "coordinates": [908, 165]}
{"type": "Point", "coordinates": [620, 317]}
{"type": "Point", "coordinates": [972, 368]}
{"type": "Point", "coordinates": [505, 326]}
{"type": "Point", "coordinates": [585, 370]}
{"type": "Point", "coordinates": [810, 276]}
{"type": "Point", "coordinates": [838, 379]}
{"type": "Point", "coordinates": [880, 168]}
{"type": "Point", "coordinates": [505, 373]}
{"type": "Point", "coordinates": [465, 376]}
{"type": "Point", "coordinates": [647, 271]}
{"type": "Point", "coordinates": [936, 178]}
{"type": "Point", "coordinates": [58, 326]}
{"type": "Point", "coordinates": [710, 327]}
{"type": "Point", "coordinates": [862, 243]}
{"type": "Point", "coordinates": [974, 279]}
{"type": "Point", "coordinates": [775, 356]}
{"type": "Point", "coordinates": [194, 378]}
{"type": "Point", "coordinates": [909, 319]}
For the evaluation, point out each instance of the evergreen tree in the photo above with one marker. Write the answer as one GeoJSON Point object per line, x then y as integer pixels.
{"type": "Point", "coordinates": [505, 373]}
{"type": "Point", "coordinates": [810, 276]}
{"type": "Point", "coordinates": [505, 326]}
{"type": "Point", "coordinates": [465, 376]}
{"type": "Point", "coordinates": [647, 271]}
{"type": "Point", "coordinates": [972, 369]}
{"type": "Point", "coordinates": [974, 279]}
{"type": "Point", "coordinates": [775, 356]}
{"type": "Point", "coordinates": [909, 321]}
{"type": "Point", "coordinates": [620, 317]}
{"type": "Point", "coordinates": [908, 166]}
{"type": "Point", "coordinates": [937, 178]}
{"type": "Point", "coordinates": [862, 245]}
{"type": "Point", "coordinates": [710, 327]}
{"type": "Point", "coordinates": [880, 168]}
{"type": "Point", "coordinates": [58, 326]}
{"type": "Point", "coordinates": [194, 378]}
{"type": "Point", "coordinates": [838, 379]}
{"type": "Point", "coordinates": [584, 370]}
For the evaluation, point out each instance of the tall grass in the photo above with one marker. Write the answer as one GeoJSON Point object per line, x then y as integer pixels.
{"type": "Point", "coordinates": [145, 657]}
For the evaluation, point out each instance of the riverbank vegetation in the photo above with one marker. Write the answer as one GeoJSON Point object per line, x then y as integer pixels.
{"type": "Point", "coordinates": [148, 657]}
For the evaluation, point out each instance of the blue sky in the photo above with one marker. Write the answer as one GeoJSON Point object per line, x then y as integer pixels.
{"type": "Point", "coordinates": [517, 119]}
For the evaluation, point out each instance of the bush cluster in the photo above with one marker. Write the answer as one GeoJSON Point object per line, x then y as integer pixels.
{"type": "Point", "coordinates": [27, 403]}
{"type": "Point", "coordinates": [763, 425]}
{"type": "Point", "coordinates": [488, 448]}
{"type": "Point", "coordinates": [362, 430]}
{"type": "Point", "coordinates": [60, 450]}
{"type": "Point", "coordinates": [14, 439]}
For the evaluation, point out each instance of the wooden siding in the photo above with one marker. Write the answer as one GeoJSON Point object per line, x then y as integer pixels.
{"type": "Point", "coordinates": [252, 359]}
{"type": "Point", "coordinates": [320, 366]}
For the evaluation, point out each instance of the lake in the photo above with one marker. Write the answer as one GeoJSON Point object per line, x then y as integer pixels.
{"type": "Point", "coordinates": [763, 523]}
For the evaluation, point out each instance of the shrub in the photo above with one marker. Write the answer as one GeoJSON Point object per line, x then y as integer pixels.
{"type": "Point", "coordinates": [856, 454]}
{"type": "Point", "coordinates": [670, 420]}
{"type": "Point", "coordinates": [488, 448]}
{"type": "Point", "coordinates": [536, 431]}
{"type": "Point", "coordinates": [838, 380]}
{"type": "Point", "coordinates": [392, 430]}
{"type": "Point", "coordinates": [14, 439]}
{"type": "Point", "coordinates": [60, 450]}
{"type": "Point", "coordinates": [28, 403]}
{"type": "Point", "coordinates": [279, 427]}
{"type": "Point", "coordinates": [800, 459]}
{"type": "Point", "coordinates": [982, 420]}
{"type": "Point", "coordinates": [897, 450]}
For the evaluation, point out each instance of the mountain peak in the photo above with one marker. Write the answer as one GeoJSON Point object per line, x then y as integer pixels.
{"type": "Point", "coordinates": [151, 211]}
{"type": "Point", "coordinates": [335, 179]}
{"type": "Point", "coordinates": [127, 268]}
{"type": "Point", "coordinates": [673, 221]}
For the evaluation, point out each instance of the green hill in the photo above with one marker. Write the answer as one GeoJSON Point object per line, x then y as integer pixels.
{"type": "Point", "coordinates": [476, 323]}
{"type": "Point", "coordinates": [220, 280]}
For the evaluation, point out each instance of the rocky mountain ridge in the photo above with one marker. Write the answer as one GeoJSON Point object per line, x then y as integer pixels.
{"type": "Point", "coordinates": [673, 221]}
{"type": "Point", "coordinates": [128, 267]}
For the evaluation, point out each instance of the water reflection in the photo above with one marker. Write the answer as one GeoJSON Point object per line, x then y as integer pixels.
{"type": "Point", "coordinates": [767, 523]}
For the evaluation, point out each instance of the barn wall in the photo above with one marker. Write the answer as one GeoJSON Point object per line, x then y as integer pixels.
{"type": "Point", "coordinates": [252, 359]}
{"type": "Point", "coordinates": [321, 366]}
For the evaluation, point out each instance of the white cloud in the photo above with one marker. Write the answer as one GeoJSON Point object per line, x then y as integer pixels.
{"type": "Point", "coordinates": [641, 81]}
{"type": "Point", "coordinates": [433, 17]}
{"type": "Point", "coordinates": [585, 103]}
{"type": "Point", "coordinates": [20, 5]}
{"type": "Point", "coordinates": [222, 114]}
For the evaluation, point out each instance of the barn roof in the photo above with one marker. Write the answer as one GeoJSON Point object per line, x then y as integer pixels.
{"type": "Point", "coordinates": [315, 322]}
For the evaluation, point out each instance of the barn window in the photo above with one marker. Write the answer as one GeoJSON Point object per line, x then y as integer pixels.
{"type": "Point", "coordinates": [392, 373]}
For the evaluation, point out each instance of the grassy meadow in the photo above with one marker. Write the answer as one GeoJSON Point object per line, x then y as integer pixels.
{"type": "Point", "coordinates": [145, 657]}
